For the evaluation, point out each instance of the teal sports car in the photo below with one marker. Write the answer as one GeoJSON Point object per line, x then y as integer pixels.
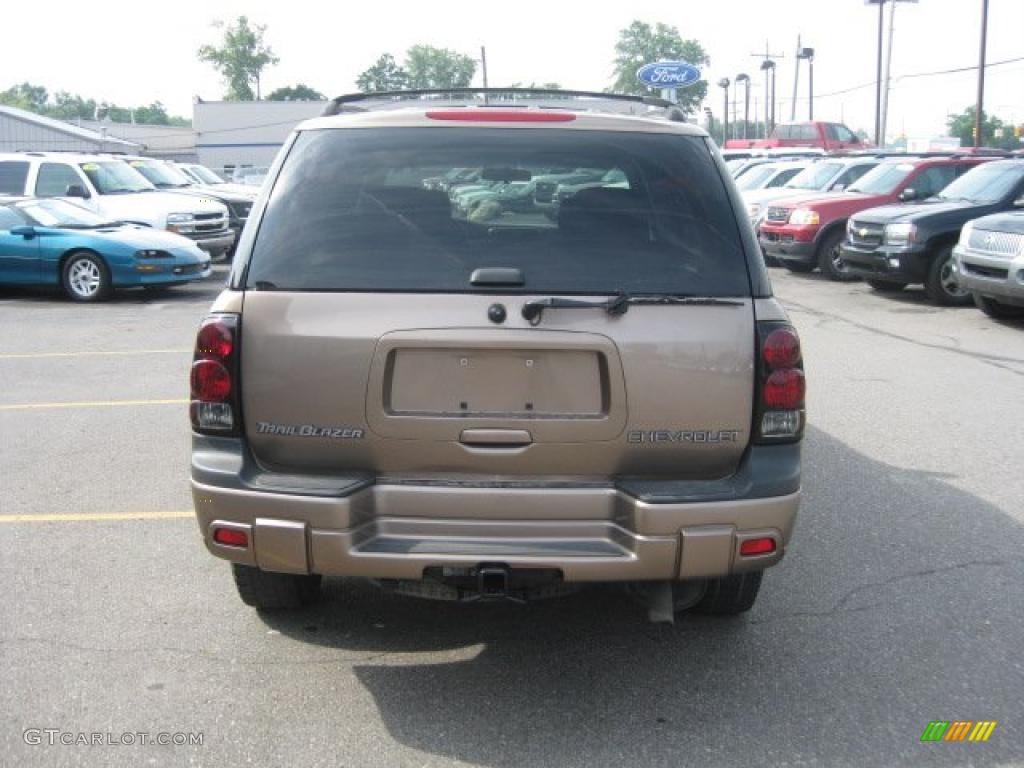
{"type": "Point", "coordinates": [55, 243]}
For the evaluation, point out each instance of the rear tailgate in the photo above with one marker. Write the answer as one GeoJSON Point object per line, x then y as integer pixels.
{"type": "Point", "coordinates": [375, 383]}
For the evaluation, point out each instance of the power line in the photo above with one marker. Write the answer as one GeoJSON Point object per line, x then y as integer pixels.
{"type": "Point", "coordinates": [919, 74]}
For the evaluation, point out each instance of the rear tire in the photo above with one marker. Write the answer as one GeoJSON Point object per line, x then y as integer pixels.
{"type": "Point", "coordinates": [830, 259]}
{"type": "Point", "coordinates": [995, 310]}
{"type": "Point", "coordinates": [884, 287]}
{"type": "Point", "coordinates": [940, 284]}
{"type": "Point", "coordinates": [274, 591]}
{"type": "Point", "coordinates": [730, 595]}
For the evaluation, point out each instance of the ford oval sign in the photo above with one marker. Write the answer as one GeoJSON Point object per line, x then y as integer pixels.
{"type": "Point", "coordinates": [668, 74]}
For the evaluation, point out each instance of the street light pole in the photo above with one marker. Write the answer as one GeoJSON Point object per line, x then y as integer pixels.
{"type": "Point", "coordinates": [979, 107]}
{"type": "Point", "coordinates": [745, 79]}
{"type": "Point", "coordinates": [808, 53]}
{"type": "Point", "coordinates": [724, 84]}
{"type": "Point", "coordinates": [878, 79]}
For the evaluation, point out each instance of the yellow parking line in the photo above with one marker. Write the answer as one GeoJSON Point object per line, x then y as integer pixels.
{"type": "Point", "coordinates": [89, 404]}
{"type": "Point", "coordinates": [74, 517]}
{"type": "Point", "coordinates": [92, 353]}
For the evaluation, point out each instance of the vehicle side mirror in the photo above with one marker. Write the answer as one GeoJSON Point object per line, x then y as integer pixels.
{"type": "Point", "coordinates": [838, 187]}
{"type": "Point", "coordinates": [76, 190]}
{"type": "Point", "coordinates": [1019, 202]}
{"type": "Point", "coordinates": [28, 232]}
{"type": "Point", "coordinates": [908, 194]}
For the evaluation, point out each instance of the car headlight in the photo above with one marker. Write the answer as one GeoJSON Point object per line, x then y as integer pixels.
{"type": "Point", "coordinates": [965, 233]}
{"type": "Point", "coordinates": [804, 217]}
{"type": "Point", "coordinates": [753, 211]}
{"type": "Point", "coordinates": [150, 253]}
{"type": "Point", "coordinates": [900, 234]}
{"type": "Point", "coordinates": [181, 223]}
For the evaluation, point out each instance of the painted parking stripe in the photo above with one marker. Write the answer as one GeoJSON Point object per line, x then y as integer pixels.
{"type": "Point", "coordinates": [76, 517]}
{"type": "Point", "coordinates": [88, 353]}
{"type": "Point", "coordinates": [90, 404]}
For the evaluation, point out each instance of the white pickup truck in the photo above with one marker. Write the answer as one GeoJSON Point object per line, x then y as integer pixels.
{"type": "Point", "coordinates": [113, 189]}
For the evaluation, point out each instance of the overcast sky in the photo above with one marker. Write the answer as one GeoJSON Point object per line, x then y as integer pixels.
{"type": "Point", "coordinates": [132, 53]}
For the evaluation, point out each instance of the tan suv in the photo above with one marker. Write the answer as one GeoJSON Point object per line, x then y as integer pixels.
{"type": "Point", "coordinates": [509, 404]}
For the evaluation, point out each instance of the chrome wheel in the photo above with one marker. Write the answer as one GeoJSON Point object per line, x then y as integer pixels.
{"type": "Point", "coordinates": [947, 279]}
{"type": "Point", "coordinates": [86, 278]}
{"type": "Point", "coordinates": [838, 263]}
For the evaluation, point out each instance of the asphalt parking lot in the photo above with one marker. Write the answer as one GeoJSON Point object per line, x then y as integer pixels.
{"type": "Point", "coordinates": [899, 603]}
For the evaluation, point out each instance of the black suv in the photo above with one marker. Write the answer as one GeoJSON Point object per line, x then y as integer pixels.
{"type": "Point", "coordinates": [894, 245]}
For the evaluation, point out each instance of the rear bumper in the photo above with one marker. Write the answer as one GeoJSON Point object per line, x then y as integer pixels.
{"type": "Point", "coordinates": [393, 529]}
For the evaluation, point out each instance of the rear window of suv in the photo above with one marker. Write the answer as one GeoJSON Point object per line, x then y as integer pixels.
{"type": "Point", "coordinates": [575, 211]}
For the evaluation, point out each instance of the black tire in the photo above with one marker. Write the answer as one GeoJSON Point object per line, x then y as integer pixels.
{"type": "Point", "coordinates": [799, 267]}
{"type": "Point", "coordinates": [85, 277]}
{"type": "Point", "coordinates": [883, 286]}
{"type": "Point", "coordinates": [274, 591]}
{"type": "Point", "coordinates": [995, 310]}
{"type": "Point", "coordinates": [830, 260]}
{"type": "Point", "coordinates": [940, 284]}
{"type": "Point", "coordinates": [730, 595]}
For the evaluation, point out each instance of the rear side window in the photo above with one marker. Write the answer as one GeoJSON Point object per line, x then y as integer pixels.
{"type": "Point", "coordinates": [12, 177]}
{"type": "Point", "coordinates": [54, 179]}
{"type": "Point", "coordinates": [402, 209]}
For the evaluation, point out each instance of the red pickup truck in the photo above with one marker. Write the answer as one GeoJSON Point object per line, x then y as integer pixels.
{"type": "Point", "coordinates": [828, 136]}
{"type": "Point", "coordinates": [806, 232]}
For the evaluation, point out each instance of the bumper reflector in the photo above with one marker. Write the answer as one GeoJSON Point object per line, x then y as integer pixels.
{"type": "Point", "coordinates": [757, 547]}
{"type": "Point", "coordinates": [231, 537]}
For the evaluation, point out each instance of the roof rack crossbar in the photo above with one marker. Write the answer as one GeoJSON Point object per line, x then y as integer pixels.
{"type": "Point", "coordinates": [335, 105]}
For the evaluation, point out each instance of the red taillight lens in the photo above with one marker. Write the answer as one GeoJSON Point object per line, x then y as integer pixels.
{"type": "Point", "coordinates": [231, 537]}
{"type": "Point", "coordinates": [211, 381]}
{"type": "Point", "coordinates": [215, 340]}
{"type": "Point", "coordinates": [785, 389]}
{"type": "Point", "coordinates": [757, 547]}
{"type": "Point", "coordinates": [782, 349]}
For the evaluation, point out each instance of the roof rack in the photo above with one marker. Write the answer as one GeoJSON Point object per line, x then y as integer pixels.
{"type": "Point", "coordinates": [351, 102]}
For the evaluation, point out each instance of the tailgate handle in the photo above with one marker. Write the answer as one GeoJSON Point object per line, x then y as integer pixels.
{"type": "Point", "coordinates": [496, 438]}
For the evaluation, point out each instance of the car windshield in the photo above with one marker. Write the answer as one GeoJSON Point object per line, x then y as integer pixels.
{"type": "Point", "coordinates": [350, 212]}
{"type": "Point", "coordinates": [160, 175]}
{"type": "Point", "coordinates": [205, 175]}
{"type": "Point", "coordinates": [988, 183]}
{"type": "Point", "coordinates": [757, 177]}
{"type": "Point", "coordinates": [883, 179]}
{"type": "Point", "coordinates": [60, 214]}
{"type": "Point", "coordinates": [113, 177]}
{"type": "Point", "coordinates": [815, 176]}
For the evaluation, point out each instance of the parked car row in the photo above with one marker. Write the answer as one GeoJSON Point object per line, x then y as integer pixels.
{"type": "Point", "coordinates": [949, 222]}
{"type": "Point", "coordinates": [92, 223]}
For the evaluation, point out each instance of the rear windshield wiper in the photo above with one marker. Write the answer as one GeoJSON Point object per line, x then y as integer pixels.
{"type": "Point", "coordinates": [618, 304]}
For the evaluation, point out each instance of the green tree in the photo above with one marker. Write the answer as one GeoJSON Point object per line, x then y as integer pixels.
{"type": "Point", "coordinates": [640, 44]}
{"type": "Point", "coordinates": [384, 75]}
{"type": "Point", "coordinates": [297, 92]}
{"type": "Point", "coordinates": [430, 67]}
{"type": "Point", "coordinates": [69, 106]}
{"type": "Point", "coordinates": [962, 127]}
{"type": "Point", "coordinates": [241, 58]}
{"type": "Point", "coordinates": [25, 96]}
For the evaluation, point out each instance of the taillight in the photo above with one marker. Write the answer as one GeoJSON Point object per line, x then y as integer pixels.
{"type": "Point", "coordinates": [781, 387]}
{"type": "Point", "coordinates": [214, 376]}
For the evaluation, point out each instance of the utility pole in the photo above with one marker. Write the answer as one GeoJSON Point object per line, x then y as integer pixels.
{"type": "Point", "coordinates": [888, 70]}
{"type": "Point", "coordinates": [878, 79]}
{"type": "Point", "coordinates": [745, 79]}
{"type": "Point", "coordinates": [483, 63]}
{"type": "Point", "coordinates": [979, 107]}
{"type": "Point", "coordinates": [796, 80]}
